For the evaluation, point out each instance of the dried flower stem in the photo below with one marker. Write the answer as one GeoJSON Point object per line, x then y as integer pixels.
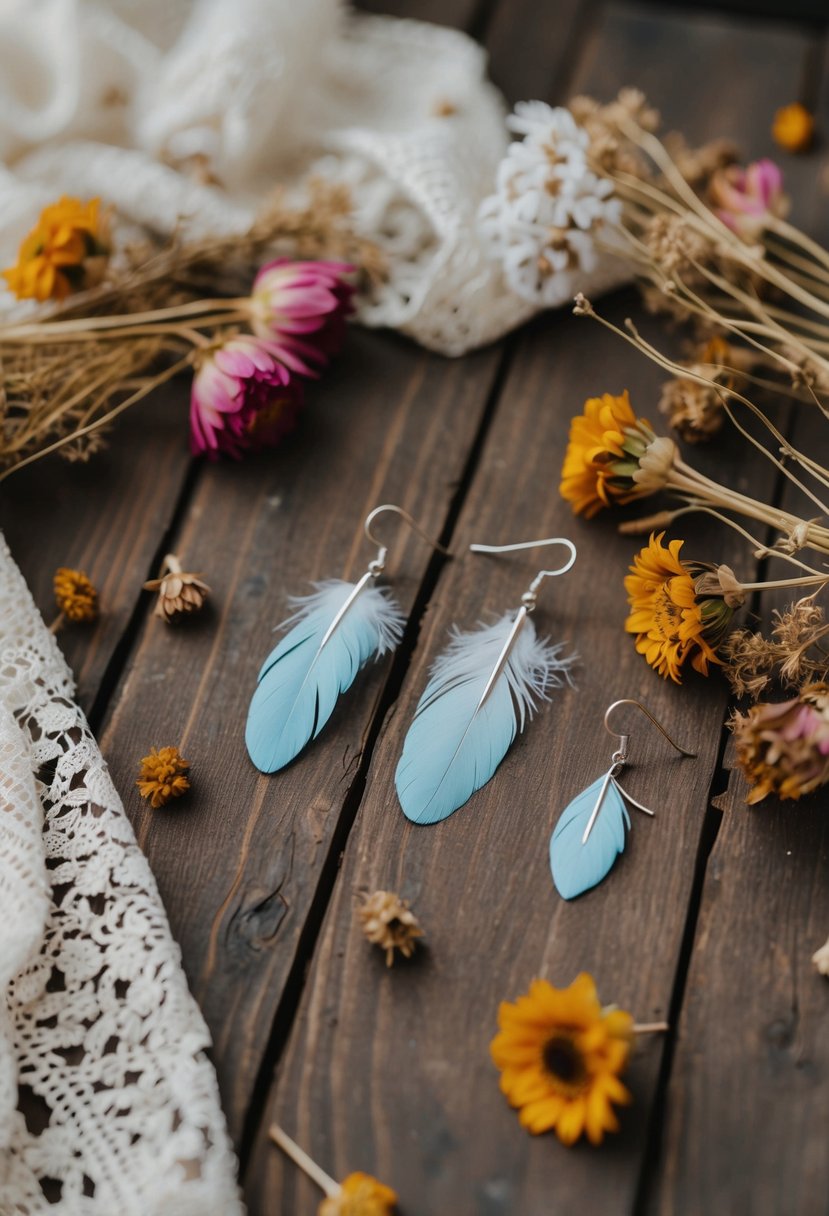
{"type": "Point", "coordinates": [299, 1157]}
{"type": "Point", "coordinates": [696, 488]}
{"type": "Point", "coordinates": [85, 325]}
{"type": "Point", "coordinates": [650, 1027]}
{"type": "Point", "coordinates": [152, 383]}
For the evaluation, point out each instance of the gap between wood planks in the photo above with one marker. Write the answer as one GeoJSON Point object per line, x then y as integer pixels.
{"type": "Point", "coordinates": [292, 992]}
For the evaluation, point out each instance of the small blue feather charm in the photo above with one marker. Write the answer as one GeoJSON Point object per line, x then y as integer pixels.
{"type": "Point", "coordinates": [578, 863]}
{"type": "Point", "coordinates": [334, 633]}
{"type": "Point", "coordinates": [590, 834]}
{"type": "Point", "coordinates": [481, 691]}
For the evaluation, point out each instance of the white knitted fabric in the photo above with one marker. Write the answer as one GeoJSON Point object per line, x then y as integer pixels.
{"type": "Point", "coordinates": [115, 99]}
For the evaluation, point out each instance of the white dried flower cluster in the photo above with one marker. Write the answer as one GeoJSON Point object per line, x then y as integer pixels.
{"type": "Point", "coordinates": [548, 206]}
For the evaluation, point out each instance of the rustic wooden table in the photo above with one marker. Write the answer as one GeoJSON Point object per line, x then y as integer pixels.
{"type": "Point", "coordinates": [711, 915]}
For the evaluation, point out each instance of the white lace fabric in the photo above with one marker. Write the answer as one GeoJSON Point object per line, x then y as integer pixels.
{"type": "Point", "coordinates": [97, 1028]}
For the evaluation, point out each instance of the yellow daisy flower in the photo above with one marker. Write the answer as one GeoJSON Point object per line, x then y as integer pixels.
{"type": "Point", "coordinates": [360, 1195]}
{"type": "Point", "coordinates": [612, 456]}
{"type": "Point", "coordinates": [672, 622]}
{"type": "Point", "coordinates": [560, 1056]}
{"type": "Point", "coordinates": [66, 251]}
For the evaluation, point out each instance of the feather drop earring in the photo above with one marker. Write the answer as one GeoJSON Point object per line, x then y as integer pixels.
{"type": "Point", "coordinates": [481, 691]}
{"type": "Point", "coordinates": [590, 834]}
{"type": "Point", "coordinates": [332, 634]}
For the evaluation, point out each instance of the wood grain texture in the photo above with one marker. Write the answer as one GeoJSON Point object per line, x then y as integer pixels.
{"type": "Point", "coordinates": [521, 38]}
{"type": "Point", "coordinates": [238, 868]}
{"type": "Point", "coordinates": [389, 1071]}
{"type": "Point", "coordinates": [107, 517]}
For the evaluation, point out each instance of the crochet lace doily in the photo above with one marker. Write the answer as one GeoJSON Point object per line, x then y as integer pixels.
{"type": "Point", "coordinates": [116, 99]}
{"type": "Point", "coordinates": [98, 1028]}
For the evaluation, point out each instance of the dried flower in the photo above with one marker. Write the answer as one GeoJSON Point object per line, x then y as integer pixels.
{"type": "Point", "coordinates": [300, 309]}
{"type": "Point", "coordinates": [821, 958]}
{"type": "Point", "coordinates": [357, 1195]}
{"type": "Point", "coordinates": [795, 650]}
{"type": "Point", "coordinates": [693, 409]}
{"type": "Point", "coordinates": [793, 128]}
{"type": "Point", "coordinates": [75, 595]}
{"type": "Point", "coordinates": [747, 198]}
{"type": "Point", "coordinates": [560, 1056]}
{"type": "Point", "coordinates": [162, 776]}
{"type": "Point", "coordinates": [672, 620]}
{"type": "Point", "coordinates": [783, 748]}
{"type": "Point", "coordinates": [748, 661]}
{"type": "Point", "coordinates": [360, 1195]}
{"type": "Point", "coordinates": [388, 922]}
{"type": "Point", "coordinates": [676, 247]}
{"type": "Point", "coordinates": [66, 251]}
{"type": "Point", "coordinates": [179, 593]}
{"type": "Point", "coordinates": [612, 456]}
{"type": "Point", "coordinates": [243, 397]}
{"type": "Point", "coordinates": [549, 206]}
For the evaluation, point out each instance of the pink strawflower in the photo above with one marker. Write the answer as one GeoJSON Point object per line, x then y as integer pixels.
{"type": "Point", "coordinates": [300, 308]}
{"type": "Point", "coordinates": [243, 397]}
{"type": "Point", "coordinates": [783, 747]}
{"type": "Point", "coordinates": [745, 199]}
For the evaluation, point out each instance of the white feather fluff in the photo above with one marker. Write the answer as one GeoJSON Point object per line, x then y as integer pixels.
{"type": "Point", "coordinates": [455, 744]}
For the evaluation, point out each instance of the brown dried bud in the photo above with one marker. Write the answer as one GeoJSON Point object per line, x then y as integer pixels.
{"type": "Point", "coordinates": [179, 593]}
{"type": "Point", "coordinates": [723, 582]}
{"type": "Point", "coordinates": [388, 922]}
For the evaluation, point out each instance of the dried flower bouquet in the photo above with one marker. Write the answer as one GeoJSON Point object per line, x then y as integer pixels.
{"type": "Point", "coordinates": [116, 331]}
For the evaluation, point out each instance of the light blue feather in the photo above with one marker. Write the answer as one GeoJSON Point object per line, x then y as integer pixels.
{"type": "Point", "coordinates": [577, 867]}
{"type": "Point", "coordinates": [454, 745]}
{"type": "Point", "coordinates": [301, 679]}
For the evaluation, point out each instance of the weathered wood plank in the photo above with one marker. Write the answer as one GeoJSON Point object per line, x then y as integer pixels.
{"type": "Point", "coordinates": [238, 868]}
{"type": "Point", "coordinates": [519, 38]}
{"type": "Point", "coordinates": [389, 1071]}
{"type": "Point", "coordinates": [107, 517]}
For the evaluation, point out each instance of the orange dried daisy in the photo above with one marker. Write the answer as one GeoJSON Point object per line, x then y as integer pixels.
{"type": "Point", "coordinates": [162, 776]}
{"type": "Point", "coordinates": [360, 1195]}
{"type": "Point", "coordinates": [612, 456]}
{"type": "Point", "coordinates": [671, 620]}
{"type": "Point", "coordinates": [66, 251]}
{"type": "Point", "coordinates": [793, 128]}
{"type": "Point", "coordinates": [560, 1055]}
{"type": "Point", "coordinates": [75, 595]}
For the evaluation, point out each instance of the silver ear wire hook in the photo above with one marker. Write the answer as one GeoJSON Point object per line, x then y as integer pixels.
{"type": "Point", "coordinates": [619, 760]}
{"type": "Point", "coordinates": [377, 566]}
{"type": "Point", "coordinates": [528, 599]}
{"type": "Point", "coordinates": [530, 596]}
{"type": "Point", "coordinates": [625, 739]}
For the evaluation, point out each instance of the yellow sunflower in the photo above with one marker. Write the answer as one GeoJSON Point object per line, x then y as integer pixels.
{"type": "Point", "coordinates": [65, 252]}
{"type": "Point", "coordinates": [672, 622]}
{"type": "Point", "coordinates": [603, 463]}
{"type": "Point", "coordinates": [560, 1056]}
